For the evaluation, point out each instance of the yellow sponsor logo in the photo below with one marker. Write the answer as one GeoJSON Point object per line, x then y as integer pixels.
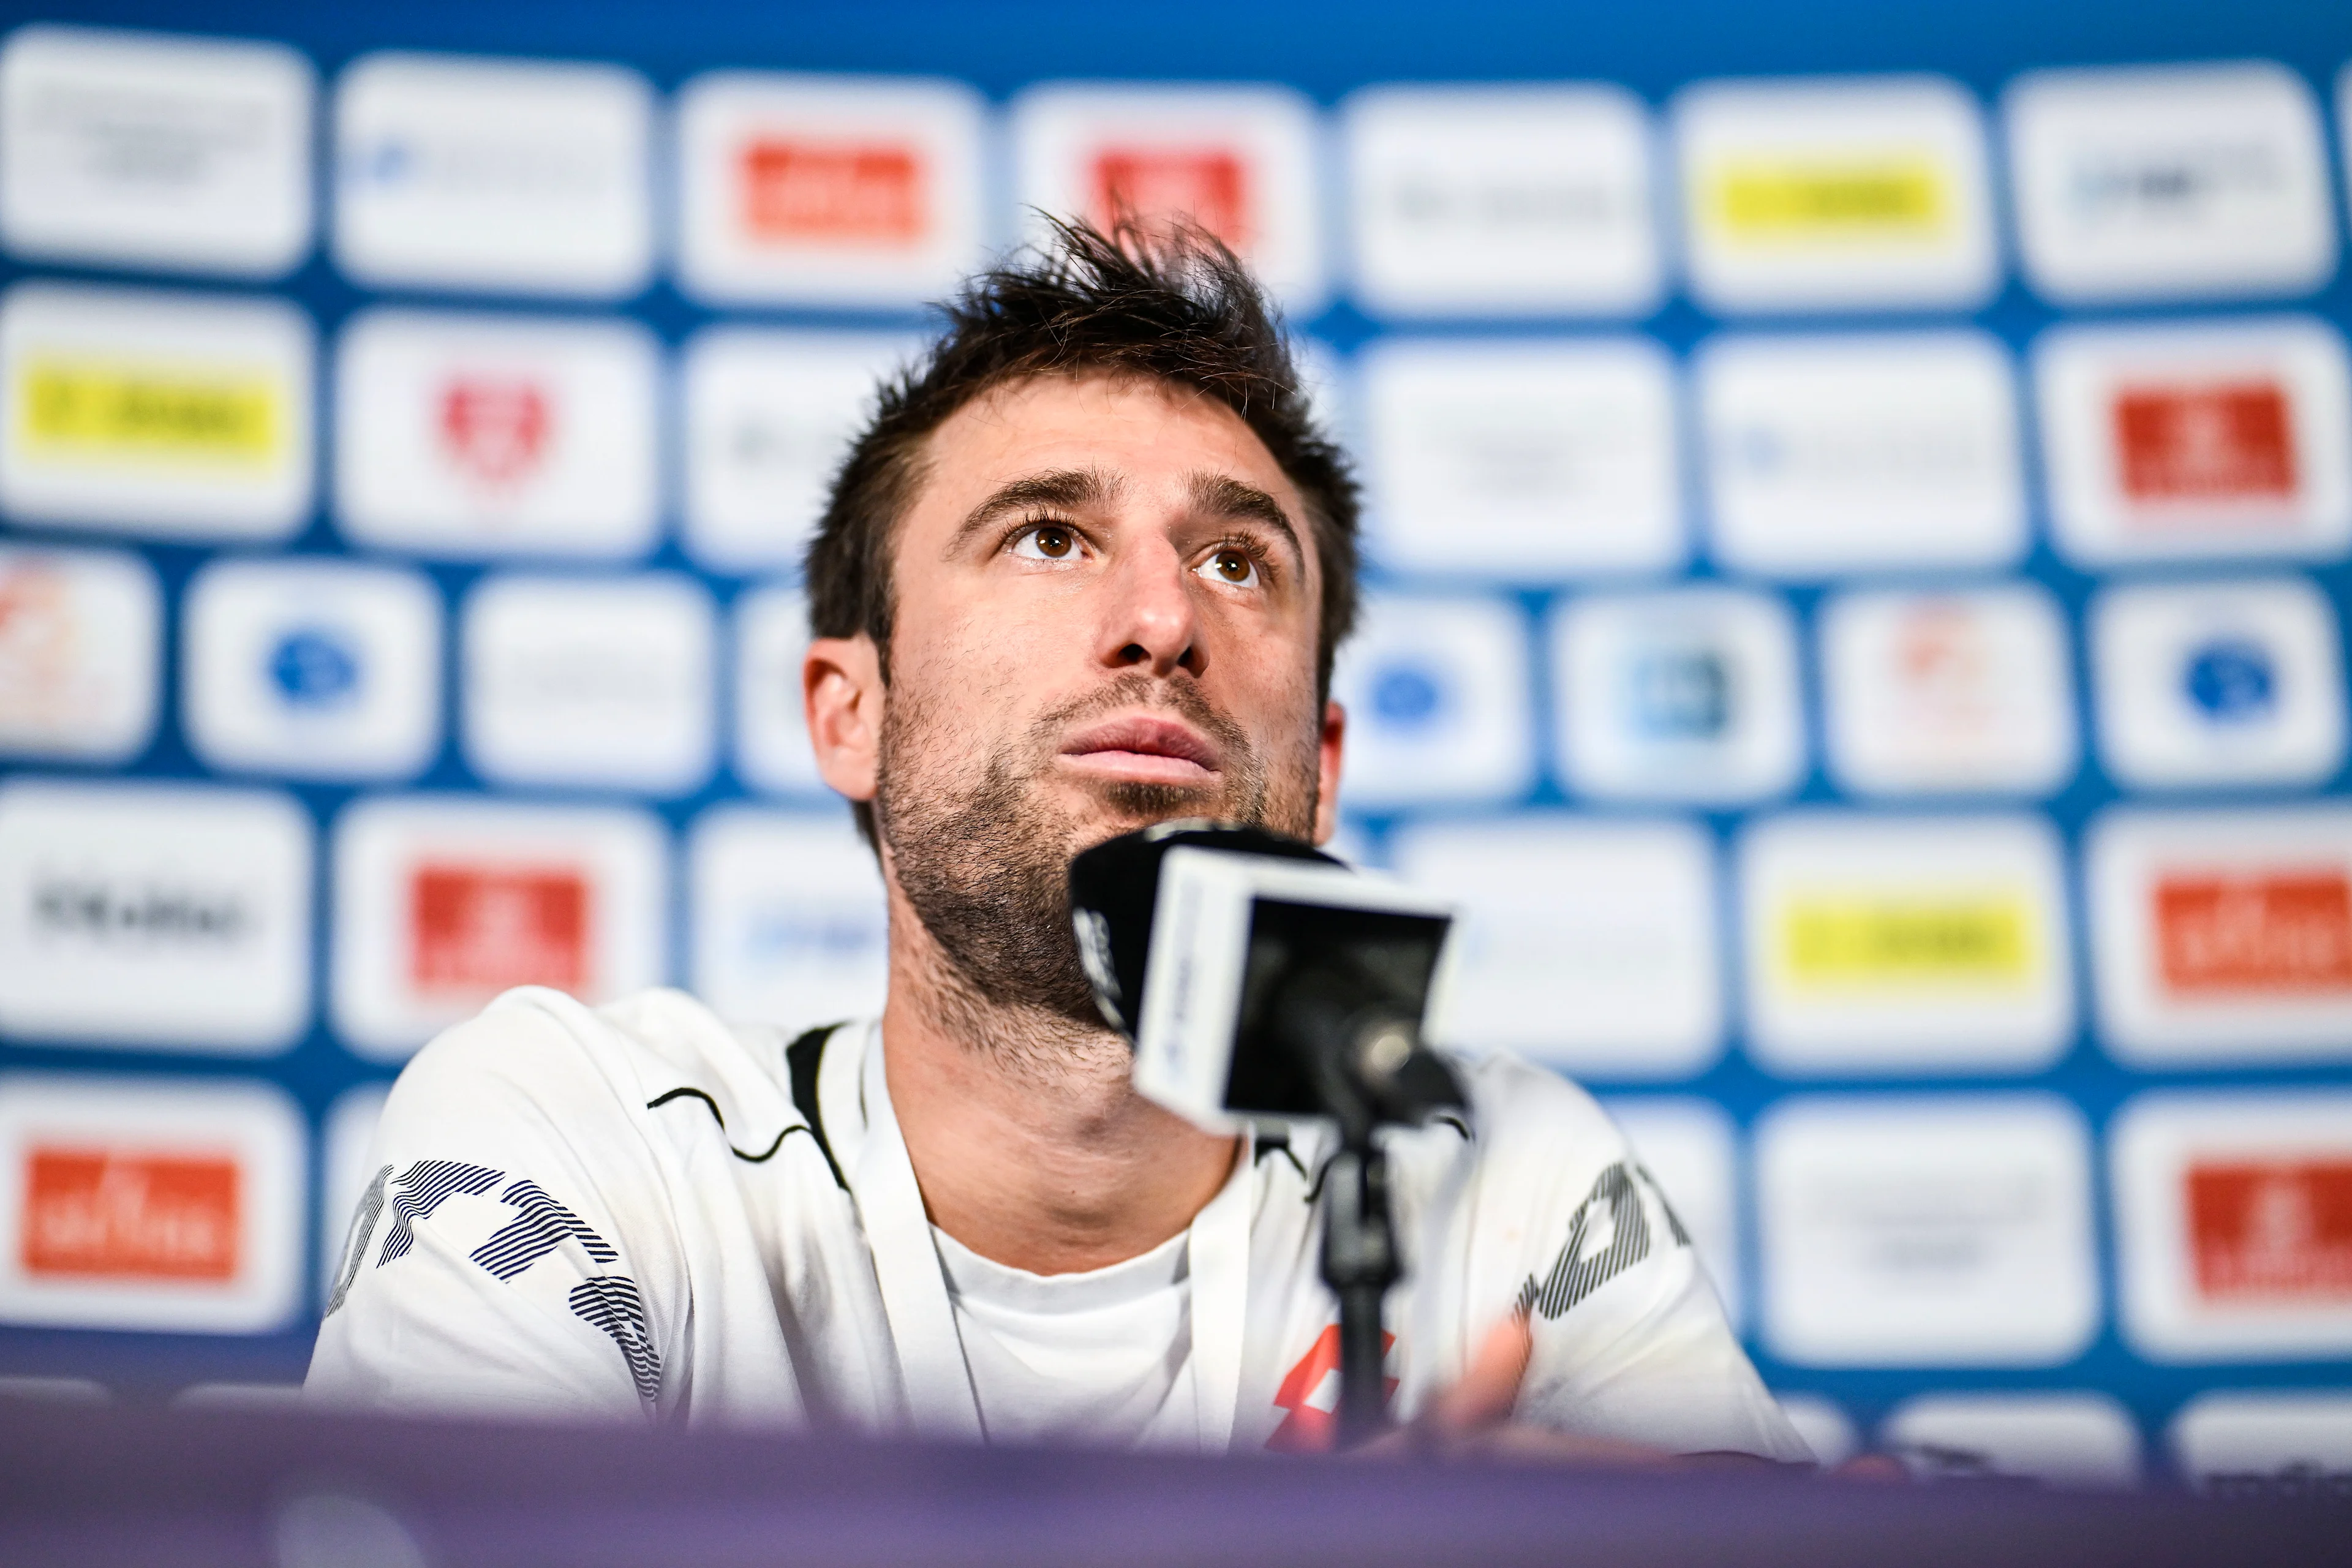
{"type": "Point", "coordinates": [117, 410]}
{"type": "Point", "coordinates": [1867, 198]}
{"type": "Point", "coordinates": [1971, 940]}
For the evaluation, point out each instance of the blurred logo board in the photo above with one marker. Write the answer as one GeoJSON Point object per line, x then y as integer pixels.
{"type": "Point", "coordinates": [1827, 455]}
{"type": "Point", "coordinates": [2072, 1441]}
{"type": "Point", "coordinates": [1945, 1231]}
{"type": "Point", "coordinates": [150, 1203]}
{"type": "Point", "coordinates": [2197, 442]}
{"type": "Point", "coordinates": [2218, 683]}
{"type": "Point", "coordinates": [1958, 693]}
{"type": "Point", "coordinates": [1892, 944]}
{"type": "Point", "coordinates": [1688, 1145]}
{"type": "Point", "coordinates": [150, 150]}
{"type": "Point", "coordinates": [1588, 945]}
{"type": "Point", "coordinates": [768, 417]}
{"type": "Point", "coordinates": [2234, 1220]}
{"type": "Point", "coordinates": [442, 902]}
{"type": "Point", "coordinates": [789, 920]}
{"type": "Point", "coordinates": [1435, 689]}
{"type": "Point", "coordinates": [168, 415]}
{"type": "Point", "coordinates": [312, 666]}
{"type": "Point", "coordinates": [80, 651]}
{"type": "Point", "coordinates": [2222, 937]}
{"type": "Point", "coordinates": [2177, 182]}
{"type": "Point", "coordinates": [1493, 201]}
{"type": "Point", "coordinates": [2265, 1444]}
{"type": "Point", "coordinates": [1683, 696]}
{"type": "Point", "coordinates": [591, 682]}
{"type": "Point", "coordinates": [1524, 460]}
{"type": "Point", "coordinates": [772, 753]}
{"type": "Point", "coordinates": [477, 435]}
{"type": "Point", "coordinates": [162, 916]}
{"type": "Point", "coordinates": [820, 190]}
{"type": "Point", "coordinates": [1239, 161]}
{"type": "Point", "coordinates": [1851, 195]}
{"type": "Point", "coordinates": [511, 176]}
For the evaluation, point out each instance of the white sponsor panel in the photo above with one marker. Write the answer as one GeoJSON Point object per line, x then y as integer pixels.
{"type": "Point", "coordinates": [2222, 938]}
{"type": "Point", "coordinates": [2069, 1440]}
{"type": "Point", "coordinates": [1690, 695]}
{"type": "Point", "coordinates": [771, 740]}
{"type": "Point", "coordinates": [1436, 694]}
{"type": "Point", "coordinates": [443, 901]}
{"type": "Point", "coordinates": [144, 1202]}
{"type": "Point", "coordinates": [2169, 182]}
{"type": "Point", "coordinates": [475, 435]}
{"type": "Point", "coordinates": [166, 415]}
{"type": "Point", "coordinates": [2233, 1219]}
{"type": "Point", "coordinates": [160, 917]}
{"type": "Point", "coordinates": [789, 926]}
{"type": "Point", "coordinates": [1239, 160]}
{"type": "Point", "coordinates": [1958, 693]}
{"type": "Point", "coordinates": [2197, 442]}
{"type": "Point", "coordinates": [770, 415]}
{"type": "Point", "coordinates": [1904, 944]}
{"type": "Point", "coordinates": [1490, 200]}
{"type": "Point", "coordinates": [1589, 945]}
{"type": "Point", "coordinates": [80, 651]}
{"type": "Point", "coordinates": [1853, 453]}
{"type": "Point", "coordinates": [1916, 1231]}
{"type": "Point", "coordinates": [1826, 1428]}
{"type": "Point", "coordinates": [586, 681]}
{"type": "Point", "coordinates": [1525, 460]}
{"type": "Point", "coordinates": [2266, 1442]}
{"type": "Point", "coordinates": [318, 668]}
{"type": "Point", "coordinates": [829, 190]}
{"type": "Point", "coordinates": [1861, 193]}
{"type": "Point", "coordinates": [149, 150]}
{"type": "Point", "coordinates": [344, 1175]}
{"type": "Point", "coordinates": [1688, 1145]}
{"type": "Point", "coordinates": [2218, 683]}
{"type": "Point", "coordinates": [516, 176]}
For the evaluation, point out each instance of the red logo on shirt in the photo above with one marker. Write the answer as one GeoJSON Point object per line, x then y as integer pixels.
{"type": "Point", "coordinates": [2219, 441]}
{"type": "Point", "coordinates": [2273, 931]}
{"type": "Point", "coordinates": [1311, 1396]}
{"type": "Point", "coordinates": [832, 192]}
{"type": "Point", "coordinates": [119, 1215]}
{"type": "Point", "coordinates": [1208, 184]}
{"type": "Point", "coordinates": [481, 928]}
{"type": "Point", "coordinates": [495, 429]}
{"type": "Point", "coordinates": [2272, 1230]}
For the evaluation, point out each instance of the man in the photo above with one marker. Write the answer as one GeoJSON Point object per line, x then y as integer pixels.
{"type": "Point", "coordinates": [1085, 570]}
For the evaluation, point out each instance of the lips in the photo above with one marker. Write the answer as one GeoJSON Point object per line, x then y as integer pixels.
{"type": "Point", "coordinates": [1143, 748]}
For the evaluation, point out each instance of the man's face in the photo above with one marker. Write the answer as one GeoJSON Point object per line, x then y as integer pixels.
{"type": "Point", "coordinates": [1106, 616]}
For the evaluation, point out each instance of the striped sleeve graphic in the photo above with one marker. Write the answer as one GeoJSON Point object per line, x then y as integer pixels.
{"type": "Point", "coordinates": [1609, 1234]}
{"type": "Point", "coordinates": [611, 1303]}
{"type": "Point", "coordinates": [364, 1218]}
{"type": "Point", "coordinates": [543, 1225]}
{"type": "Point", "coordinates": [424, 1187]}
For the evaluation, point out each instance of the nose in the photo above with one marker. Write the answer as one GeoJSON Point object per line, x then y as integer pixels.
{"type": "Point", "coordinates": [1150, 621]}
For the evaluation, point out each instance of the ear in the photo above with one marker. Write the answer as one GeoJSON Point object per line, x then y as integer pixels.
{"type": "Point", "coordinates": [1326, 772]}
{"type": "Point", "coordinates": [841, 690]}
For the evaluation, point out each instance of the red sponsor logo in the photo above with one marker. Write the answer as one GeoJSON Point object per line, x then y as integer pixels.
{"type": "Point", "coordinates": [37, 643]}
{"type": "Point", "coordinates": [495, 430]}
{"type": "Point", "coordinates": [2231, 441]}
{"type": "Point", "coordinates": [820, 192]}
{"type": "Point", "coordinates": [2276, 1230]}
{"type": "Point", "coordinates": [1310, 1393]}
{"type": "Point", "coordinates": [480, 928]}
{"type": "Point", "coordinates": [1211, 186]}
{"type": "Point", "coordinates": [117, 1213]}
{"type": "Point", "coordinates": [2264, 932]}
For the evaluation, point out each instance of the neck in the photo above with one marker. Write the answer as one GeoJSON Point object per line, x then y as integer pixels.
{"type": "Point", "coordinates": [1028, 1140]}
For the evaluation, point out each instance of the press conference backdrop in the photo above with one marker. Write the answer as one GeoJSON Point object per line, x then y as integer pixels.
{"type": "Point", "coordinates": [1859, 521]}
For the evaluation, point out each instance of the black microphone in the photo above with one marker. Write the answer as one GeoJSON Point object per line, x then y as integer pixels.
{"type": "Point", "coordinates": [1257, 977]}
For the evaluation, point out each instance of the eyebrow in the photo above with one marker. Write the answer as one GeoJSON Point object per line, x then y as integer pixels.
{"type": "Point", "coordinates": [1222, 495]}
{"type": "Point", "coordinates": [1067, 487]}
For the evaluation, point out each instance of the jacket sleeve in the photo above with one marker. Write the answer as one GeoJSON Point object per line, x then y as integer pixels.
{"type": "Point", "coordinates": [497, 1262]}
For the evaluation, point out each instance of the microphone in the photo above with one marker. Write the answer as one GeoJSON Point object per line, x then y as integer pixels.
{"type": "Point", "coordinates": [1258, 978]}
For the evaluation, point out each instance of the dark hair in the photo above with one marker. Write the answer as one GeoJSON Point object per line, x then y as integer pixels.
{"type": "Point", "coordinates": [1172, 303]}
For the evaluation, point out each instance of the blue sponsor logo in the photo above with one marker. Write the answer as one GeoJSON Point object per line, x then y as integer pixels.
{"type": "Point", "coordinates": [1407, 696]}
{"type": "Point", "coordinates": [1679, 694]}
{"type": "Point", "coordinates": [314, 667]}
{"type": "Point", "coordinates": [2231, 680]}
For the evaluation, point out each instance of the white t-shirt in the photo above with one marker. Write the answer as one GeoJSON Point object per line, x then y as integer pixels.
{"type": "Point", "coordinates": [642, 1211]}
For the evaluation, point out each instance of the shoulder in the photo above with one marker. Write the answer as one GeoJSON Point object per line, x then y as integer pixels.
{"type": "Point", "coordinates": [1527, 1115]}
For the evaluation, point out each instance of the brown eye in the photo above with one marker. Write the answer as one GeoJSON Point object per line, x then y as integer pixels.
{"type": "Point", "coordinates": [1233, 566]}
{"type": "Point", "coordinates": [1048, 541]}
